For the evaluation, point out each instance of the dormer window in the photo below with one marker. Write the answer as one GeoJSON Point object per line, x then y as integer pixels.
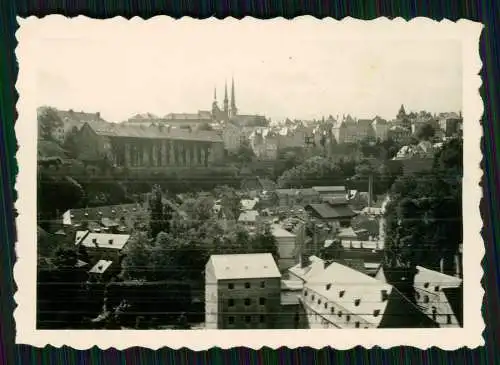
{"type": "Point", "coordinates": [328, 286]}
{"type": "Point", "coordinates": [376, 312]}
{"type": "Point", "coordinates": [356, 302]}
{"type": "Point", "coordinates": [94, 240]}
{"type": "Point", "coordinates": [110, 241]}
{"type": "Point", "coordinates": [341, 293]}
{"type": "Point", "coordinates": [426, 285]}
{"type": "Point", "coordinates": [436, 288]}
{"type": "Point", "coordinates": [384, 294]}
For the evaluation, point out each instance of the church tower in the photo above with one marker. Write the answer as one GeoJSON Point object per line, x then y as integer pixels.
{"type": "Point", "coordinates": [226, 101]}
{"type": "Point", "coordinates": [215, 107]}
{"type": "Point", "coordinates": [234, 110]}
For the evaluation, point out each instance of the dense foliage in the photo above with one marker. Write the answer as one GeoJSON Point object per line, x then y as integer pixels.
{"type": "Point", "coordinates": [424, 216]}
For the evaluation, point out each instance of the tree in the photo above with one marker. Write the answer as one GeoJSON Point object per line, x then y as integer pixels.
{"type": "Point", "coordinates": [265, 242]}
{"type": "Point", "coordinates": [70, 143]}
{"type": "Point", "coordinates": [314, 171]}
{"type": "Point", "coordinates": [425, 132]}
{"type": "Point", "coordinates": [229, 200]}
{"type": "Point", "coordinates": [425, 212]}
{"type": "Point", "coordinates": [57, 194]}
{"type": "Point", "coordinates": [161, 212]}
{"type": "Point", "coordinates": [48, 121]}
{"type": "Point", "coordinates": [245, 153]}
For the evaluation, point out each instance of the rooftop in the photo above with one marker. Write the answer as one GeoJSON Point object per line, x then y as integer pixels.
{"type": "Point", "coordinates": [154, 132]}
{"type": "Point", "coordinates": [328, 189]}
{"type": "Point", "coordinates": [358, 293]}
{"type": "Point", "coordinates": [244, 266]}
{"type": "Point", "coordinates": [326, 211]}
{"type": "Point", "coordinates": [100, 267]}
{"type": "Point", "coordinates": [102, 240]}
{"type": "Point", "coordinates": [436, 278]}
{"type": "Point", "coordinates": [279, 231]}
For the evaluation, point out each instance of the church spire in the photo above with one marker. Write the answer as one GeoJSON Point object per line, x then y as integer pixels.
{"type": "Point", "coordinates": [234, 110]}
{"type": "Point", "coordinates": [226, 101]}
{"type": "Point", "coordinates": [215, 93]}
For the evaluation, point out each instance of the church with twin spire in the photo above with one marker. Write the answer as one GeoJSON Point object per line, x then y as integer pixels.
{"type": "Point", "coordinates": [228, 110]}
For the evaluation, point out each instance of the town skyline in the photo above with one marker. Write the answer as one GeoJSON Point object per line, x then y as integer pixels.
{"type": "Point", "coordinates": [310, 75]}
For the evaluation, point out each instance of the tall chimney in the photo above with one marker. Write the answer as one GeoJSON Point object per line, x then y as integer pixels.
{"type": "Point", "coordinates": [370, 190]}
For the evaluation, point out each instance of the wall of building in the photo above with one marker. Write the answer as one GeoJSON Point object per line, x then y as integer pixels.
{"type": "Point", "coordinates": [324, 313]}
{"type": "Point", "coordinates": [211, 299]}
{"type": "Point", "coordinates": [234, 311]}
{"type": "Point", "coordinates": [287, 251]}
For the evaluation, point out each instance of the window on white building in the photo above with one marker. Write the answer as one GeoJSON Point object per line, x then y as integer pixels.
{"type": "Point", "coordinates": [247, 301]}
{"type": "Point", "coordinates": [230, 286]}
{"type": "Point", "coordinates": [231, 302]}
{"type": "Point", "coordinates": [247, 285]}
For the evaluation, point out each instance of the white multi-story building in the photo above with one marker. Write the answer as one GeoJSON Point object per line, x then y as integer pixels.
{"type": "Point", "coordinates": [242, 292]}
{"type": "Point", "coordinates": [341, 297]}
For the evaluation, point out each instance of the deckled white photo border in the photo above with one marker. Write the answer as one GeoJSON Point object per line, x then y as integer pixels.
{"type": "Point", "coordinates": [32, 30]}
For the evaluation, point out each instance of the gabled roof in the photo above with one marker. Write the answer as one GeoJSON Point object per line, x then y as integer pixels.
{"type": "Point", "coordinates": [326, 211]}
{"type": "Point", "coordinates": [102, 240]}
{"type": "Point", "coordinates": [154, 132]}
{"type": "Point", "coordinates": [249, 204]}
{"type": "Point", "coordinates": [244, 266]}
{"type": "Point", "coordinates": [316, 265]}
{"type": "Point", "coordinates": [329, 189]}
{"type": "Point", "coordinates": [248, 216]}
{"type": "Point", "coordinates": [114, 212]}
{"type": "Point", "coordinates": [280, 232]}
{"type": "Point", "coordinates": [344, 286]}
{"type": "Point", "coordinates": [435, 278]}
{"type": "Point", "coordinates": [100, 267]}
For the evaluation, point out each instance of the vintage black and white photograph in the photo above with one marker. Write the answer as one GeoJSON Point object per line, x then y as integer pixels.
{"type": "Point", "coordinates": [231, 175]}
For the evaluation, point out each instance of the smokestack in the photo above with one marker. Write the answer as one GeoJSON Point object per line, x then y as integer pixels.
{"type": "Point", "coordinates": [370, 190]}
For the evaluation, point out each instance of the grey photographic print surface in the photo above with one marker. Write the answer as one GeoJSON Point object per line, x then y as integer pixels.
{"type": "Point", "coordinates": [224, 182]}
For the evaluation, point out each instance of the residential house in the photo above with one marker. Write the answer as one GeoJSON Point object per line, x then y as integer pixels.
{"type": "Point", "coordinates": [264, 143]}
{"type": "Point", "coordinates": [450, 124]}
{"type": "Point", "coordinates": [102, 246]}
{"type": "Point", "coordinates": [308, 267]}
{"type": "Point", "coordinates": [292, 137]}
{"type": "Point", "coordinates": [71, 120]}
{"type": "Point", "coordinates": [439, 296]}
{"type": "Point", "coordinates": [380, 128]}
{"type": "Point", "coordinates": [249, 218]}
{"type": "Point", "coordinates": [287, 245]}
{"type": "Point", "coordinates": [242, 292]}
{"type": "Point", "coordinates": [340, 214]}
{"type": "Point", "coordinates": [258, 184]}
{"type": "Point", "coordinates": [100, 272]}
{"type": "Point", "coordinates": [294, 197]}
{"type": "Point", "coordinates": [341, 297]}
{"type": "Point", "coordinates": [123, 217]}
{"type": "Point", "coordinates": [292, 314]}
{"type": "Point", "coordinates": [399, 134]}
{"type": "Point", "coordinates": [326, 192]}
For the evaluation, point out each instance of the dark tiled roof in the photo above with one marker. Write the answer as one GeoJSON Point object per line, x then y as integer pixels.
{"type": "Point", "coordinates": [50, 149]}
{"type": "Point", "coordinates": [326, 211]}
{"type": "Point", "coordinates": [130, 131]}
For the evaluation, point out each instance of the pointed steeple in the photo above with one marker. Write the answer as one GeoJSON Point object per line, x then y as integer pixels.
{"type": "Point", "coordinates": [215, 94]}
{"type": "Point", "coordinates": [234, 110]}
{"type": "Point", "coordinates": [226, 101]}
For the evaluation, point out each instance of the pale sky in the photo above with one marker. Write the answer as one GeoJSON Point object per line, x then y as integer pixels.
{"type": "Point", "coordinates": [279, 71]}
